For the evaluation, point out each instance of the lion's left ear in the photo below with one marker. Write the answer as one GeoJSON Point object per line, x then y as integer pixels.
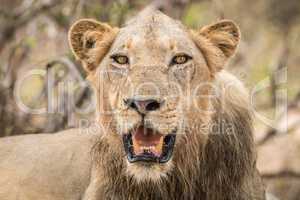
{"type": "Point", "coordinates": [218, 42]}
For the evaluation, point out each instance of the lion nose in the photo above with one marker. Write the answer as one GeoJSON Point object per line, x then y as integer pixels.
{"type": "Point", "coordinates": [143, 106]}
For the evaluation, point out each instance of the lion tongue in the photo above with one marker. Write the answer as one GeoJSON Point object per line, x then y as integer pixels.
{"type": "Point", "coordinates": [147, 141]}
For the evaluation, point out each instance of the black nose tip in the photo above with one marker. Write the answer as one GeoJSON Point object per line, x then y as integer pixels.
{"type": "Point", "coordinates": [143, 106]}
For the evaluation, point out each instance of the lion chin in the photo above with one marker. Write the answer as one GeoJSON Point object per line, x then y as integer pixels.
{"type": "Point", "coordinates": [145, 171]}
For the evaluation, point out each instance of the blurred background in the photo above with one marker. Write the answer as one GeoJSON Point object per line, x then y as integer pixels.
{"type": "Point", "coordinates": [39, 74]}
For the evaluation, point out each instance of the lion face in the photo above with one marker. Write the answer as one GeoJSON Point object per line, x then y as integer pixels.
{"type": "Point", "coordinates": [151, 74]}
{"type": "Point", "coordinates": [151, 77]}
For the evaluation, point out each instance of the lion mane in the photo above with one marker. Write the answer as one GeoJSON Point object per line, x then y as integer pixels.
{"type": "Point", "coordinates": [223, 168]}
{"type": "Point", "coordinates": [220, 167]}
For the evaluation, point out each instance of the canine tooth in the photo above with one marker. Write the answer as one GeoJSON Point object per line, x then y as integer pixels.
{"type": "Point", "coordinates": [159, 146]}
{"type": "Point", "coordinates": [136, 147]}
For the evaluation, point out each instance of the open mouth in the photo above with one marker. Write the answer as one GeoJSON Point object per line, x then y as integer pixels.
{"type": "Point", "coordinates": [148, 145]}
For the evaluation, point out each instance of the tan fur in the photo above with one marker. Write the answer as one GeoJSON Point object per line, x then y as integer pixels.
{"type": "Point", "coordinates": [208, 163]}
{"type": "Point", "coordinates": [217, 42]}
{"type": "Point", "coordinates": [99, 35]}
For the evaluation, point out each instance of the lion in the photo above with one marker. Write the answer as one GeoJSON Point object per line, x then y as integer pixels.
{"type": "Point", "coordinates": [171, 123]}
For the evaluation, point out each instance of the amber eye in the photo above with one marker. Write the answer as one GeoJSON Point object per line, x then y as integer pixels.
{"type": "Point", "coordinates": [120, 59]}
{"type": "Point", "coordinates": [180, 59]}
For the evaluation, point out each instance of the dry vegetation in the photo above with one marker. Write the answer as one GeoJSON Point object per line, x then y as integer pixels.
{"type": "Point", "coordinates": [34, 36]}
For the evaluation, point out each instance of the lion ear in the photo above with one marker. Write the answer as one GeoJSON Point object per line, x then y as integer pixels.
{"type": "Point", "coordinates": [90, 40]}
{"type": "Point", "coordinates": [218, 42]}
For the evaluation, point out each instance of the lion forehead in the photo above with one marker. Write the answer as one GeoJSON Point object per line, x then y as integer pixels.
{"type": "Point", "coordinates": [153, 30]}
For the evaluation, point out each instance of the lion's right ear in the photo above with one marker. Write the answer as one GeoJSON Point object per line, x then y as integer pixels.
{"type": "Point", "coordinates": [90, 40]}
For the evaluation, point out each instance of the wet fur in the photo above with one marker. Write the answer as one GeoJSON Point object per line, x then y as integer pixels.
{"type": "Point", "coordinates": [205, 165]}
{"type": "Point", "coordinates": [219, 168]}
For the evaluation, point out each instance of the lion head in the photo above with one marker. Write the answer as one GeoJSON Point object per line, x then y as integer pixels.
{"type": "Point", "coordinates": [153, 82]}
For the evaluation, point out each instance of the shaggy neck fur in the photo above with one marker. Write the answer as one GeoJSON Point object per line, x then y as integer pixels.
{"type": "Point", "coordinates": [217, 170]}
